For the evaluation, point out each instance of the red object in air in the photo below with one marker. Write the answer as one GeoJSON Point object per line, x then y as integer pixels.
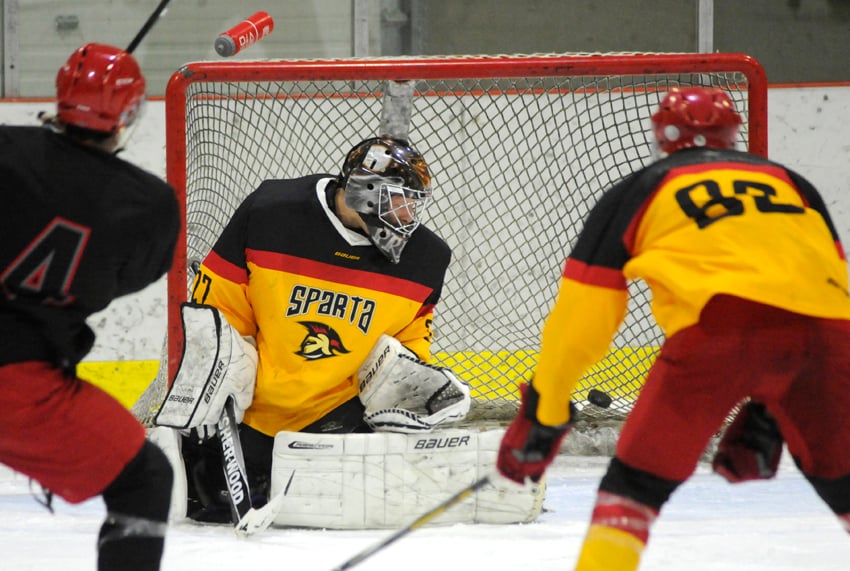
{"type": "Point", "coordinates": [248, 31]}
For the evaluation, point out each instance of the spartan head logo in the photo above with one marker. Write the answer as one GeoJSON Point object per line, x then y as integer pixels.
{"type": "Point", "coordinates": [321, 341]}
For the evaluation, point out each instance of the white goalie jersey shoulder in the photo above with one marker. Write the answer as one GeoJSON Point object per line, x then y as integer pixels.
{"type": "Point", "coordinates": [402, 393]}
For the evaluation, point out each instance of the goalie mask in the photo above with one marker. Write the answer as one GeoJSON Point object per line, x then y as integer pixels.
{"type": "Point", "coordinates": [387, 182]}
{"type": "Point", "coordinates": [695, 117]}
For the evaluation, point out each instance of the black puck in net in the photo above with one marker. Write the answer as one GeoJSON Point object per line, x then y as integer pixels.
{"type": "Point", "coordinates": [598, 398]}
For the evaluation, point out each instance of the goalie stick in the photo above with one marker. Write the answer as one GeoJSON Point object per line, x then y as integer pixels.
{"type": "Point", "coordinates": [238, 492]}
{"type": "Point", "coordinates": [258, 519]}
{"type": "Point", "coordinates": [416, 524]}
{"type": "Point", "coordinates": [247, 519]}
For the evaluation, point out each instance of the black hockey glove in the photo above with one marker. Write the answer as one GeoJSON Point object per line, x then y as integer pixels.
{"type": "Point", "coordinates": [751, 447]}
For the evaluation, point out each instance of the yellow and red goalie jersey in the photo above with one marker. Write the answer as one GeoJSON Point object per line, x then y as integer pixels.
{"type": "Point", "coordinates": [694, 225]}
{"type": "Point", "coordinates": [316, 296]}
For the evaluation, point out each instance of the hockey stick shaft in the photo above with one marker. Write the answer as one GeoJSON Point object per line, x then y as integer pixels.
{"type": "Point", "coordinates": [416, 524]}
{"type": "Point", "coordinates": [152, 19]}
{"type": "Point", "coordinates": [247, 520]}
{"type": "Point", "coordinates": [233, 461]}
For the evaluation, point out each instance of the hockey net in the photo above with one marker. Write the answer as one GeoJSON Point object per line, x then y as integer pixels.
{"type": "Point", "coordinates": [521, 147]}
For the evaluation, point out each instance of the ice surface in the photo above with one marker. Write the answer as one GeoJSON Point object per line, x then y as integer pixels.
{"type": "Point", "coordinates": [708, 525]}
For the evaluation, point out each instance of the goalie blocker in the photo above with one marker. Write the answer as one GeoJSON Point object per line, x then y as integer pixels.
{"type": "Point", "coordinates": [217, 364]}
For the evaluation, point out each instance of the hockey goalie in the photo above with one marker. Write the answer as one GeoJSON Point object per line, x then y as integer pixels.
{"type": "Point", "coordinates": [335, 278]}
{"type": "Point", "coordinates": [406, 454]}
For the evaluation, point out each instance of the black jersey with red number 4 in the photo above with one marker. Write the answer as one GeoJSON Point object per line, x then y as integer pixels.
{"type": "Point", "coordinates": [80, 228]}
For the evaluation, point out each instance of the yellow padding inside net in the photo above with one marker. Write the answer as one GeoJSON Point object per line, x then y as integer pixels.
{"type": "Point", "coordinates": [124, 380]}
{"type": "Point", "coordinates": [491, 375]}
{"type": "Point", "coordinates": [498, 374]}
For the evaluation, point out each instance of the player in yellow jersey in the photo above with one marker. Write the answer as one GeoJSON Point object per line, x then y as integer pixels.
{"type": "Point", "coordinates": [316, 270]}
{"type": "Point", "coordinates": [749, 284]}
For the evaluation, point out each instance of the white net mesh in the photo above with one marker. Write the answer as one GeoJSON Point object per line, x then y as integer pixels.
{"type": "Point", "coordinates": [520, 147]}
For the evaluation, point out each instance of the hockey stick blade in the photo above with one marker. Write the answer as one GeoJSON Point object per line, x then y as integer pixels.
{"type": "Point", "coordinates": [416, 524]}
{"type": "Point", "coordinates": [258, 519]}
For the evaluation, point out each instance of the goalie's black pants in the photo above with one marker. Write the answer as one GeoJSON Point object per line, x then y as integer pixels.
{"type": "Point", "coordinates": [206, 486]}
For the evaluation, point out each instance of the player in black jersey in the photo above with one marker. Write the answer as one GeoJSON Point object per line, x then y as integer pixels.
{"type": "Point", "coordinates": [80, 228]}
{"type": "Point", "coordinates": [749, 283]}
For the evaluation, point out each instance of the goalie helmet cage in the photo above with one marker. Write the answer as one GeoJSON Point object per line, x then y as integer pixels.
{"type": "Point", "coordinates": [521, 147]}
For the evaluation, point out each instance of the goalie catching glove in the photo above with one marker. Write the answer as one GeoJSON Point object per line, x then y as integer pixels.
{"type": "Point", "coordinates": [217, 364]}
{"type": "Point", "coordinates": [751, 447]}
{"type": "Point", "coordinates": [528, 447]}
{"type": "Point", "coordinates": [404, 394]}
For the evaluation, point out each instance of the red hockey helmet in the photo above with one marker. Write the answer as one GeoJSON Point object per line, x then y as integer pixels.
{"type": "Point", "coordinates": [695, 117]}
{"type": "Point", "coordinates": [99, 88]}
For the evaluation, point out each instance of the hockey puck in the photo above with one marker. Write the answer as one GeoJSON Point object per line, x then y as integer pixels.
{"type": "Point", "coordinates": [598, 398]}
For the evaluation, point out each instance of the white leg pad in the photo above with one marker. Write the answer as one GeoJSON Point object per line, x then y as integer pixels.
{"type": "Point", "coordinates": [386, 480]}
{"type": "Point", "coordinates": [168, 440]}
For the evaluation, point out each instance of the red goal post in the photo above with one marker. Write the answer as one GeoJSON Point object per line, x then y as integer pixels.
{"type": "Point", "coordinates": [520, 147]}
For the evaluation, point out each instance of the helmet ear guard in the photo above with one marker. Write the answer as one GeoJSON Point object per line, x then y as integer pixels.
{"type": "Point", "coordinates": [388, 183]}
{"type": "Point", "coordinates": [100, 88]}
{"type": "Point", "coordinates": [695, 117]}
